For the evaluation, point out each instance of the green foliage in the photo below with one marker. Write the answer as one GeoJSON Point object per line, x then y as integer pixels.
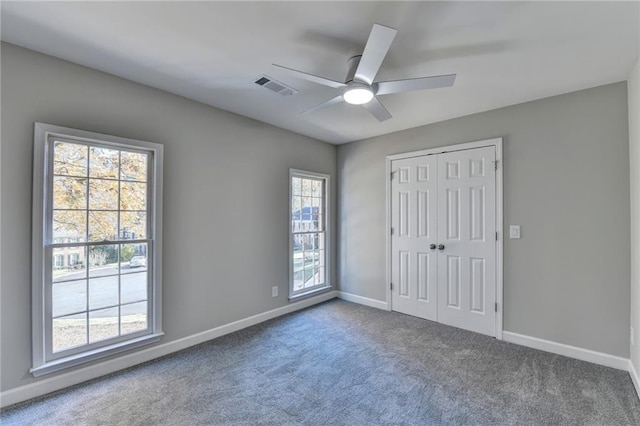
{"type": "Point", "coordinates": [127, 251]}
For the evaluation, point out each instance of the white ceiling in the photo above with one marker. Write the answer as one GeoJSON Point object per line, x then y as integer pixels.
{"type": "Point", "coordinates": [503, 52]}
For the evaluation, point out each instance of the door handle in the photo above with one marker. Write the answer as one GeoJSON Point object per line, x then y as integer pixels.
{"type": "Point", "coordinates": [432, 246]}
{"type": "Point", "coordinates": [441, 247]}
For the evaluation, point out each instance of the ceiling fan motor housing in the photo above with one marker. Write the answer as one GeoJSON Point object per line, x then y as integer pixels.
{"type": "Point", "coordinates": [357, 92]}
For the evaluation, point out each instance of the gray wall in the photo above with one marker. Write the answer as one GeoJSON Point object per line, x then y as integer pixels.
{"type": "Point", "coordinates": [634, 161]}
{"type": "Point", "coordinates": [225, 194]}
{"type": "Point", "coordinates": [566, 182]}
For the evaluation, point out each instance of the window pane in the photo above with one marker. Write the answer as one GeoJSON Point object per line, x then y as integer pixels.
{"type": "Point", "coordinates": [69, 297]}
{"type": "Point", "coordinates": [103, 194]}
{"type": "Point", "coordinates": [321, 276]}
{"type": "Point", "coordinates": [296, 214]}
{"type": "Point", "coordinates": [68, 264]}
{"type": "Point", "coordinates": [133, 225]}
{"type": "Point", "coordinates": [133, 257]}
{"type": "Point", "coordinates": [316, 265]}
{"type": "Point", "coordinates": [316, 188]}
{"type": "Point", "coordinates": [103, 260]}
{"type": "Point", "coordinates": [103, 225]}
{"type": "Point", "coordinates": [133, 166]}
{"type": "Point", "coordinates": [296, 186]}
{"type": "Point", "coordinates": [69, 226]}
{"type": "Point", "coordinates": [306, 223]}
{"type": "Point", "coordinates": [306, 187]}
{"type": "Point", "coordinates": [103, 292]}
{"type": "Point", "coordinates": [69, 331]}
{"type": "Point", "coordinates": [69, 193]}
{"type": "Point", "coordinates": [298, 248]}
{"type": "Point", "coordinates": [306, 207]}
{"type": "Point", "coordinates": [317, 216]}
{"type": "Point", "coordinates": [298, 280]}
{"type": "Point", "coordinates": [103, 324]}
{"type": "Point", "coordinates": [133, 317]}
{"type": "Point", "coordinates": [133, 287]}
{"type": "Point", "coordinates": [296, 206]}
{"type": "Point", "coordinates": [308, 242]}
{"type": "Point", "coordinates": [133, 196]}
{"type": "Point", "coordinates": [312, 223]}
{"type": "Point", "coordinates": [308, 278]}
{"type": "Point", "coordinates": [308, 268]}
{"type": "Point", "coordinates": [298, 262]}
{"type": "Point", "coordinates": [70, 159]}
{"type": "Point", "coordinates": [321, 258]}
{"type": "Point", "coordinates": [103, 163]}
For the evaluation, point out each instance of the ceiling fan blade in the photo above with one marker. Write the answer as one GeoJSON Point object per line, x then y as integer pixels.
{"type": "Point", "coordinates": [332, 101]}
{"type": "Point", "coordinates": [310, 77]}
{"type": "Point", "coordinates": [409, 85]}
{"type": "Point", "coordinates": [375, 107]}
{"type": "Point", "coordinates": [374, 53]}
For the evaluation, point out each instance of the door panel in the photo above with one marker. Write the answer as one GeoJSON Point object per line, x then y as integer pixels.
{"type": "Point", "coordinates": [453, 281]}
{"type": "Point", "coordinates": [453, 214]}
{"type": "Point", "coordinates": [466, 265]}
{"type": "Point", "coordinates": [413, 219]}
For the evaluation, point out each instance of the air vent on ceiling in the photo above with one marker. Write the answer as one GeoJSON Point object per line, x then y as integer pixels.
{"type": "Point", "coordinates": [275, 86]}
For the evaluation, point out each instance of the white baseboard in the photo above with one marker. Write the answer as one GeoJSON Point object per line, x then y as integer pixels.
{"type": "Point", "coordinates": [634, 378]}
{"type": "Point", "coordinates": [350, 297]}
{"type": "Point", "coordinates": [61, 381]}
{"type": "Point", "coordinates": [567, 350]}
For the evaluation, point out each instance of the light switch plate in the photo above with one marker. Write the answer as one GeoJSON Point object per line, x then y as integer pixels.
{"type": "Point", "coordinates": [514, 231]}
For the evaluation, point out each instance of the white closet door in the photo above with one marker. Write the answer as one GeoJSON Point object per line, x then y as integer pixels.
{"type": "Point", "coordinates": [467, 239]}
{"type": "Point", "coordinates": [413, 221]}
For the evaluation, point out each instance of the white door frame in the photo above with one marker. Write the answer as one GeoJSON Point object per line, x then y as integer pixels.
{"type": "Point", "coordinates": [497, 143]}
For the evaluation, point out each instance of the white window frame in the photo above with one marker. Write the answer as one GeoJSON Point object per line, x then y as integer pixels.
{"type": "Point", "coordinates": [326, 286]}
{"type": "Point", "coordinates": [43, 360]}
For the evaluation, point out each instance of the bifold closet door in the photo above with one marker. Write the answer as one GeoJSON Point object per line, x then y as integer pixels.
{"type": "Point", "coordinates": [413, 239]}
{"type": "Point", "coordinates": [466, 237]}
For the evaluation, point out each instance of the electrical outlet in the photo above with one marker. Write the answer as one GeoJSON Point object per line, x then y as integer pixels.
{"type": "Point", "coordinates": [632, 337]}
{"type": "Point", "coordinates": [274, 291]}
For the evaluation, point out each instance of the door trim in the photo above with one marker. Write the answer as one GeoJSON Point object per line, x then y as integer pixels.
{"type": "Point", "coordinates": [497, 143]}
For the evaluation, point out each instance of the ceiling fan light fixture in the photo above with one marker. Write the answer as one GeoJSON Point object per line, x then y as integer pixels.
{"type": "Point", "coordinates": [358, 95]}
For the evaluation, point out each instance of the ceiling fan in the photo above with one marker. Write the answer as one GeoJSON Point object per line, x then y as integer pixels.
{"type": "Point", "coordinates": [359, 87]}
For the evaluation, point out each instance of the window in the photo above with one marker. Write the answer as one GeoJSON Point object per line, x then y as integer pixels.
{"type": "Point", "coordinates": [97, 205]}
{"type": "Point", "coordinates": [73, 259]}
{"type": "Point", "coordinates": [309, 238]}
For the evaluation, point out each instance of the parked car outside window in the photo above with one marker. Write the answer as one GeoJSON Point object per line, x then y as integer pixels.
{"type": "Point", "coordinates": [138, 262]}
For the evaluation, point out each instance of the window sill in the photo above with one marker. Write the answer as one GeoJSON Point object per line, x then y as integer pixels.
{"type": "Point", "coordinates": [85, 357]}
{"type": "Point", "coordinates": [310, 293]}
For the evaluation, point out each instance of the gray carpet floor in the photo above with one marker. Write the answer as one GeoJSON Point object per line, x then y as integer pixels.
{"type": "Point", "coordinates": [339, 363]}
